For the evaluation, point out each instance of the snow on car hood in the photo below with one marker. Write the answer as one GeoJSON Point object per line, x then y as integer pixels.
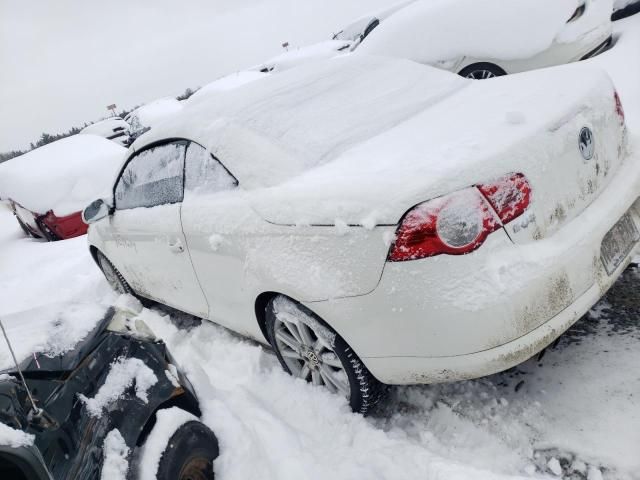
{"type": "Point", "coordinates": [63, 176]}
{"type": "Point", "coordinates": [299, 56]}
{"type": "Point", "coordinates": [433, 31]}
{"type": "Point", "coordinates": [224, 84]}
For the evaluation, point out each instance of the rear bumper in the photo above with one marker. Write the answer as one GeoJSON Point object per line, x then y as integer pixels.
{"type": "Point", "coordinates": [451, 318]}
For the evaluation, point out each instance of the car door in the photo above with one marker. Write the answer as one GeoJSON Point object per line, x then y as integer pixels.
{"type": "Point", "coordinates": [147, 243]}
{"type": "Point", "coordinates": [215, 221]}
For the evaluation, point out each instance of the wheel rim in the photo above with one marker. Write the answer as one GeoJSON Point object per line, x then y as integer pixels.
{"type": "Point", "coordinates": [481, 74]}
{"type": "Point", "coordinates": [197, 468]}
{"type": "Point", "coordinates": [112, 276]}
{"type": "Point", "coordinates": [309, 356]}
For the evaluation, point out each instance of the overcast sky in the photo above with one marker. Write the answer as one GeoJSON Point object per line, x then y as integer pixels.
{"type": "Point", "coordinates": [63, 61]}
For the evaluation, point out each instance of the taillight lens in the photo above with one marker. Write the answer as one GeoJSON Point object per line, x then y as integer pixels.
{"type": "Point", "coordinates": [459, 223]}
{"type": "Point", "coordinates": [509, 196]}
{"type": "Point", "coordinates": [619, 109]}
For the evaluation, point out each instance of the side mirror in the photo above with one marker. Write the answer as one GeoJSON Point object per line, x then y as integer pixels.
{"type": "Point", "coordinates": [97, 210]}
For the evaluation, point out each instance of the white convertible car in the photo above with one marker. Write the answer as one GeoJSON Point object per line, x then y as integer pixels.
{"type": "Point", "coordinates": [378, 221]}
{"type": "Point", "coordinates": [494, 37]}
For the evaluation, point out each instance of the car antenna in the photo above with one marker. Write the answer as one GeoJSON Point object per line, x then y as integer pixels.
{"type": "Point", "coordinates": [36, 411]}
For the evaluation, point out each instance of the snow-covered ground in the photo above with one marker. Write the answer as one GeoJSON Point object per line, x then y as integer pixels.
{"type": "Point", "coordinates": [575, 412]}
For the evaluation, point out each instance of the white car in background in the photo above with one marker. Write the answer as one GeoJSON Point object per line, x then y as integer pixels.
{"type": "Point", "coordinates": [344, 41]}
{"type": "Point", "coordinates": [151, 114]}
{"type": "Point", "coordinates": [489, 38]}
{"type": "Point", "coordinates": [113, 128]}
{"type": "Point", "coordinates": [378, 221]}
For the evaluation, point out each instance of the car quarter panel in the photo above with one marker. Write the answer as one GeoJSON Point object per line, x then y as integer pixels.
{"type": "Point", "coordinates": [237, 256]}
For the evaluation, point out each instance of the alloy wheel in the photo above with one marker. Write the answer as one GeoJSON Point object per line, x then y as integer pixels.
{"type": "Point", "coordinates": [481, 74]}
{"type": "Point", "coordinates": [310, 356]}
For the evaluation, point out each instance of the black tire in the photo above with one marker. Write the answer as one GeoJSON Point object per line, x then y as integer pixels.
{"type": "Point", "coordinates": [482, 71]}
{"type": "Point", "coordinates": [189, 454]}
{"type": "Point", "coordinates": [365, 391]}
{"type": "Point", "coordinates": [113, 276]}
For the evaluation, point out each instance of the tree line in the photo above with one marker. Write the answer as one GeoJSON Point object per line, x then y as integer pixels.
{"type": "Point", "coordinates": [46, 138]}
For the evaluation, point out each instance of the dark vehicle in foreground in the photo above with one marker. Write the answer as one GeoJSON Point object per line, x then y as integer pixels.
{"type": "Point", "coordinates": [77, 406]}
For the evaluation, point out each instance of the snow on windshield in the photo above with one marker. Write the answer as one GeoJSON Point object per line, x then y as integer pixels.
{"type": "Point", "coordinates": [63, 176]}
{"type": "Point", "coordinates": [354, 31]}
{"type": "Point", "coordinates": [441, 30]}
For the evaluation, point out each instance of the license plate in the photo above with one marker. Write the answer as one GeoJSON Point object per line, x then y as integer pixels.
{"type": "Point", "coordinates": [618, 242]}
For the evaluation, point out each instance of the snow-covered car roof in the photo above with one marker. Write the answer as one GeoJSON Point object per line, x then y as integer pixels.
{"type": "Point", "coordinates": [353, 135]}
{"type": "Point", "coordinates": [433, 31]}
{"type": "Point", "coordinates": [299, 56]}
{"type": "Point", "coordinates": [224, 84]}
{"type": "Point", "coordinates": [63, 176]}
{"type": "Point", "coordinates": [153, 113]}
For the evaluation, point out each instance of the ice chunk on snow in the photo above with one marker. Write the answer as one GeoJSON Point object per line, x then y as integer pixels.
{"type": "Point", "coordinates": [115, 454]}
{"type": "Point", "coordinates": [124, 373]}
{"type": "Point", "coordinates": [14, 438]}
{"type": "Point", "coordinates": [554, 466]}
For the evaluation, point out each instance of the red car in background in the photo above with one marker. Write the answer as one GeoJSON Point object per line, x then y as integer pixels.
{"type": "Point", "coordinates": [48, 188]}
{"type": "Point", "coordinates": [48, 225]}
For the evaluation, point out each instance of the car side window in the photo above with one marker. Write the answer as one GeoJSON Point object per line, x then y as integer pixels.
{"type": "Point", "coordinates": [152, 177]}
{"type": "Point", "coordinates": [204, 173]}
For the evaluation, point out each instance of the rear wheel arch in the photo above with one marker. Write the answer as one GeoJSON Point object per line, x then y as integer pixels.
{"type": "Point", "coordinates": [496, 70]}
{"type": "Point", "coordinates": [94, 253]}
{"type": "Point", "coordinates": [260, 307]}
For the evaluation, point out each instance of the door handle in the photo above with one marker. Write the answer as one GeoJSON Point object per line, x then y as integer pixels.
{"type": "Point", "coordinates": [176, 247]}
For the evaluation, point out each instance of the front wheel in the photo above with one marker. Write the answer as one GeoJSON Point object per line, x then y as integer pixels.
{"type": "Point", "coordinates": [482, 71]}
{"type": "Point", "coordinates": [309, 349]}
{"type": "Point", "coordinates": [114, 277]}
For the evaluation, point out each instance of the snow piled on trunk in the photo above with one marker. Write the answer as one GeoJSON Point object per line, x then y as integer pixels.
{"type": "Point", "coordinates": [63, 176]}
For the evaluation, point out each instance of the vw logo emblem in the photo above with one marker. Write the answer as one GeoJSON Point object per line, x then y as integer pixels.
{"type": "Point", "coordinates": [586, 144]}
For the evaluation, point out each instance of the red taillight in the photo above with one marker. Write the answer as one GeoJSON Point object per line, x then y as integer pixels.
{"type": "Point", "coordinates": [459, 223]}
{"type": "Point", "coordinates": [619, 109]}
{"type": "Point", "coordinates": [509, 196]}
